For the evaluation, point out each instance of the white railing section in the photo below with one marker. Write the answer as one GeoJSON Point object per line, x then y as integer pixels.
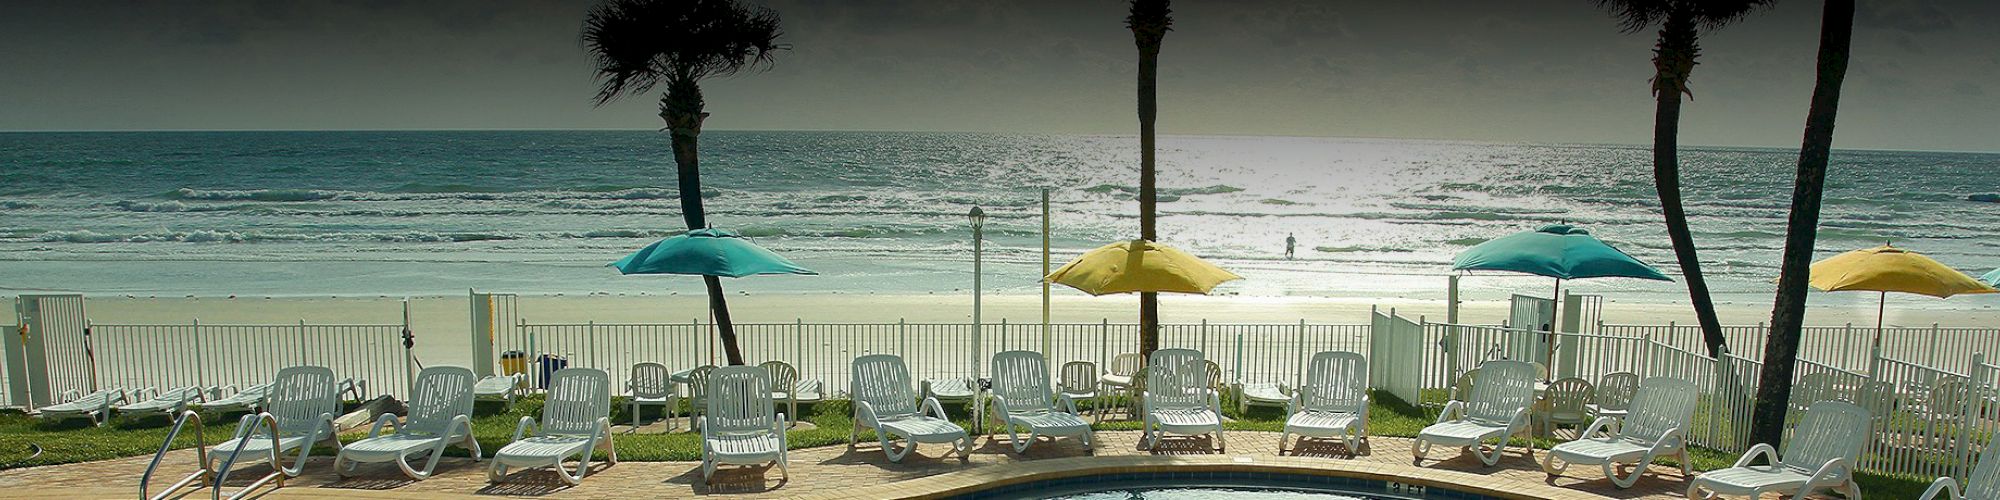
{"type": "Point", "coordinates": [1846, 346]}
{"type": "Point", "coordinates": [211, 355]}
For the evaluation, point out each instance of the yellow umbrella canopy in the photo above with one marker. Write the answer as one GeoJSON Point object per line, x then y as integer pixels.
{"type": "Point", "coordinates": [1139, 266]}
{"type": "Point", "coordinates": [1890, 269]}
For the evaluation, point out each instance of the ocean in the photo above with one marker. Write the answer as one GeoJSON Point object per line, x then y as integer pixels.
{"type": "Point", "coordinates": [438, 212]}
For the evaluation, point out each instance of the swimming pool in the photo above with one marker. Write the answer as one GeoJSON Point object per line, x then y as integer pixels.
{"type": "Point", "coordinates": [1207, 485]}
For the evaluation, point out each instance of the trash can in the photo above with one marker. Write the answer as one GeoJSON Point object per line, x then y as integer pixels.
{"type": "Point", "coordinates": [550, 364]}
{"type": "Point", "coordinates": [513, 362]}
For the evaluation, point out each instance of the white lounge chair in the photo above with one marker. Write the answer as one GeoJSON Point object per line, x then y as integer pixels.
{"type": "Point", "coordinates": [1179, 398]}
{"type": "Point", "coordinates": [95, 406]}
{"type": "Point", "coordinates": [650, 386]}
{"type": "Point", "coordinates": [298, 413]}
{"type": "Point", "coordinates": [1117, 379]}
{"type": "Point", "coordinates": [738, 428]}
{"type": "Point", "coordinates": [1496, 408]}
{"type": "Point", "coordinates": [248, 399]}
{"type": "Point", "coordinates": [440, 416]}
{"type": "Point", "coordinates": [1332, 403]}
{"type": "Point", "coordinates": [1021, 398]}
{"type": "Point", "coordinates": [1655, 426]}
{"type": "Point", "coordinates": [576, 420]}
{"type": "Point", "coordinates": [502, 388]}
{"type": "Point", "coordinates": [955, 390]}
{"type": "Point", "coordinates": [786, 386]}
{"type": "Point", "coordinates": [168, 403]}
{"type": "Point", "coordinates": [885, 401]}
{"type": "Point", "coordinates": [1820, 455]}
{"type": "Point", "coordinates": [1264, 394]}
{"type": "Point", "coordinates": [1983, 484]}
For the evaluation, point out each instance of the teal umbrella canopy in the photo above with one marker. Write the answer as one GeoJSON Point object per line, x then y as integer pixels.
{"type": "Point", "coordinates": [707, 252]}
{"type": "Point", "coordinates": [1992, 278]}
{"type": "Point", "coordinates": [1556, 251]}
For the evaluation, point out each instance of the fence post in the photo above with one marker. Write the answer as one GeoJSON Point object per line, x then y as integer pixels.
{"type": "Point", "coordinates": [589, 344]}
{"type": "Point", "coordinates": [1934, 348]}
{"type": "Point", "coordinates": [1975, 400]}
{"type": "Point", "coordinates": [302, 342]}
{"type": "Point", "coordinates": [901, 334]}
{"type": "Point", "coordinates": [1104, 342]}
{"type": "Point", "coordinates": [1239, 360]}
{"type": "Point", "coordinates": [799, 340]}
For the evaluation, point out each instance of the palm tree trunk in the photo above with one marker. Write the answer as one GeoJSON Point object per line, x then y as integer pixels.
{"type": "Point", "coordinates": [1149, 302]}
{"type": "Point", "coordinates": [1674, 58]}
{"type": "Point", "coordinates": [1774, 384]}
{"type": "Point", "coordinates": [682, 109]}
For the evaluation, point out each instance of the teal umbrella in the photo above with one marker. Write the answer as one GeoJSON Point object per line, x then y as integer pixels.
{"type": "Point", "coordinates": [1992, 278]}
{"type": "Point", "coordinates": [1557, 251]}
{"type": "Point", "coordinates": [707, 252]}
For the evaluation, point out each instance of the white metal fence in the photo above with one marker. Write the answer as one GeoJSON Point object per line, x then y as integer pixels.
{"type": "Point", "coordinates": [208, 355]}
{"type": "Point", "coordinates": [1846, 347]}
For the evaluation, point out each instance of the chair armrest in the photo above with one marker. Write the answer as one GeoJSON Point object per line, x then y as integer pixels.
{"type": "Point", "coordinates": [1832, 472]}
{"type": "Point", "coordinates": [332, 429]}
{"type": "Point", "coordinates": [1942, 485]}
{"type": "Point", "coordinates": [458, 421]}
{"type": "Point", "coordinates": [1293, 403]}
{"type": "Point", "coordinates": [1759, 449]}
{"type": "Point", "coordinates": [865, 413]}
{"type": "Point", "coordinates": [387, 419]}
{"type": "Point", "coordinates": [931, 404]}
{"type": "Point", "coordinates": [1000, 406]}
{"type": "Point", "coordinates": [702, 422]}
{"type": "Point", "coordinates": [522, 429]}
{"type": "Point", "coordinates": [1451, 410]}
{"type": "Point", "coordinates": [1668, 440]}
{"type": "Point", "coordinates": [1067, 401]}
{"type": "Point", "coordinates": [1602, 424]}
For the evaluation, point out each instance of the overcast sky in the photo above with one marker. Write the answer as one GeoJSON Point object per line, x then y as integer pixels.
{"type": "Point", "coordinates": [1925, 74]}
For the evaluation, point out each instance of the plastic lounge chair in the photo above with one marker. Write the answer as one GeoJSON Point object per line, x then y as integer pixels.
{"type": "Point", "coordinates": [95, 406]}
{"type": "Point", "coordinates": [697, 381]}
{"type": "Point", "coordinates": [786, 386]}
{"type": "Point", "coordinates": [1264, 394]}
{"type": "Point", "coordinates": [1820, 455]}
{"type": "Point", "coordinates": [1021, 398]}
{"type": "Point", "coordinates": [1117, 379]}
{"type": "Point", "coordinates": [1983, 484]}
{"type": "Point", "coordinates": [1614, 394]}
{"type": "Point", "coordinates": [1333, 402]}
{"type": "Point", "coordinates": [576, 420]}
{"type": "Point", "coordinates": [1496, 408]}
{"type": "Point", "coordinates": [1656, 427]}
{"type": "Point", "coordinates": [1079, 382]}
{"type": "Point", "coordinates": [738, 428]}
{"type": "Point", "coordinates": [502, 388]}
{"type": "Point", "coordinates": [1179, 398]}
{"type": "Point", "coordinates": [440, 416]}
{"type": "Point", "coordinates": [167, 403]}
{"type": "Point", "coordinates": [297, 414]}
{"type": "Point", "coordinates": [249, 399]}
{"type": "Point", "coordinates": [956, 390]}
{"type": "Point", "coordinates": [649, 386]}
{"type": "Point", "coordinates": [1461, 388]}
{"type": "Point", "coordinates": [1568, 402]}
{"type": "Point", "coordinates": [884, 401]}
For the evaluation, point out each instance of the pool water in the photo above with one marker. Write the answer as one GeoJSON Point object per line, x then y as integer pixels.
{"type": "Point", "coordinates": [1210, 493]}
{"type": "Point", "coordinates": [1215, 485]}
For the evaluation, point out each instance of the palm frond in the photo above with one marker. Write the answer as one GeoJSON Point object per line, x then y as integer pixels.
{"type": "Point", "coordinates": [639, 44]}
{"type": "Point", "coordinates": [1636, 15]}
{"type": "Point", "coordinates": [1152, 18]}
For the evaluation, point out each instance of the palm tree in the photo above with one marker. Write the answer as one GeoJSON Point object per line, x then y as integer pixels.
{"type": "Point", "coordinates": [1674, 58]}
{"type": "Point", "coordinates": [642, 44]}
{"type": "Point", "coordinates": [1767, 422]}
{"type": "Point", "coordinates": [1150, 21]}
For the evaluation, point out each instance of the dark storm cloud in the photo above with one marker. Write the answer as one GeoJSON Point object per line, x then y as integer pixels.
{"type": "Point", "coordinates": [1539, 70]}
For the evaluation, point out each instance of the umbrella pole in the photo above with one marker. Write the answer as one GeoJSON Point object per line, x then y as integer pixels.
{"type": "Point", "coordinates": [1555, 317]}
{"type": "Point", "coordinates": [1881, 306]}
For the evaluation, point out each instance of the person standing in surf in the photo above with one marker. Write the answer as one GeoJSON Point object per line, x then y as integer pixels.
{"type": "Point", "coordinates": [1291, 243]}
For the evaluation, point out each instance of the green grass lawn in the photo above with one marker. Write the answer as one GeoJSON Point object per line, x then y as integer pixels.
{"type": "Point", "coordinates": [77, 441]}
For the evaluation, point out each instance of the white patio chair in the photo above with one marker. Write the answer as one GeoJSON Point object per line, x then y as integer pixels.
{"type": "Point", "coordinates": [95, 406]}
{"type": "Point", "coordinates": [738, 428]}
{"type": "Point", "coordinates": [1117, 380]}
{"type": "Point", "coordinates": [1021, 398]}
{"type": "Point", "coordinates": [1983, 484]}
{"type": "Point", "coordinates": [1567, 401]}
{"type": "Point", "coordinates": [440, 415]}
{"type": "Point", "coordinates": [502, 388]}
{"type": "Point", "coordinates": [697, 382]}
{"type": "Point", "coordinates": [786, 386]}
{"type": "Point", "coordinates": [168, 403]}
{"type": "Point", "coordinates": [885, 401]}
{"type": "Point", "coordinates": [1179, 398]}
{"type": "Point", "coordinates": [297, 414]}
{"type": "Point", "coordinates": [1614, 394]}
{"type": "Point", "coordinates": [1332, 403]}
{"type": "Point", "coordinates": [1820, 455]}
{"type": "Point", "coordinates": [248, 399]}
{"type": "Point", "coordinates": [1079, 382]}
{"type": "Point", "coordinates": [1496, 408]}
{"type": "Point", "coordinates": [576, 420]}
{"type": "Point", "coordinates": [649, 386]}
{"type": "Point", "coordinates": [1656, 426]}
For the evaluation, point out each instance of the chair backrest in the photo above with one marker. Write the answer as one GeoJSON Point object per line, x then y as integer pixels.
{"type": "Point", "coordinates": [1570, 394]}
{"type": "Point", "coordinates": [1079, 377]}
{"type": "Point", "coordinates": [439, 394]}
{"type": "Point", "coordinates": [1829, 430]}
{"type": "Point", "coordinates": [299, 396]}
{"type": "Point", "coordinates": [1021, 377]}
{"type": "Point", "coordinates": [1878, 397]}
{"type": "Point", "coordinates": [1814, 387]}
{"type": "Point", "coordinates": [1985, 479]}
{"type": "Point", "coordinates": [651, 380]}
{"type": "Point", "coordinates": [577, 397]}
{"type": "Point", "coordinates": [1948, 396]}
{"type": "Point", "coordinates": [1127, 364]}
{"type": "Point", "coordinates": [1171, 377]}
{"type": "Point", "coordinates": [1461, 389]}
{"type": "Point", "coordinates": [1615, 390]}
{"type": "Point", "coordinates": [739, 400]}
{"type": "Point", "coordinates": [1213, 371]}
{"type": "Point", "coordinates": [1502, 389]}
{"type": "Point", "coordinates": [883, 381]}
{"type": "Point", "coordinates": [1661, 404]}
{"type": "Point", "coordinates": [1335, 381]}
{"type": "Point", "coordinates": [181, 394]}
{"type": "Point", "coordinates": [698, 383]}
{"type": "Point", "coordinates": [784, 377]}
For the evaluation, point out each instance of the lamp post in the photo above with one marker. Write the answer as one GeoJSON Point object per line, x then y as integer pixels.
{"type": "Point", "coordinates": [978, 219]}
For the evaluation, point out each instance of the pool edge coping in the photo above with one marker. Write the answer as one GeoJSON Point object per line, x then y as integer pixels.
{"type": "Point", "coordinates": [969, 481]}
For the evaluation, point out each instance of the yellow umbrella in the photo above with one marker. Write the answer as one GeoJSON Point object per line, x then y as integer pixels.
{"type": "Point", "coordinates": [1887, 269]}
{"type": "Point", "coordinates": [1139, 266]}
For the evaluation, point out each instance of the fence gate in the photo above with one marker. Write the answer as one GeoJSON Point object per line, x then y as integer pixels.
{"type": "Point", "coordinates": [52, 346]}
{"type": "Point", "coordinates": [496, 325]}
{"type": "Point", "coordinates": [1537, 314]}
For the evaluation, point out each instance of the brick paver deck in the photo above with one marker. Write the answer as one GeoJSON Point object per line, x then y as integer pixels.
{"type": "Point", "coordinates": [836, 472]}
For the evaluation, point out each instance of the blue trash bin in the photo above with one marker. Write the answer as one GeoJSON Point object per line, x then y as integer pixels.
{"type": "Point", "coordinates": [550, 364]}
